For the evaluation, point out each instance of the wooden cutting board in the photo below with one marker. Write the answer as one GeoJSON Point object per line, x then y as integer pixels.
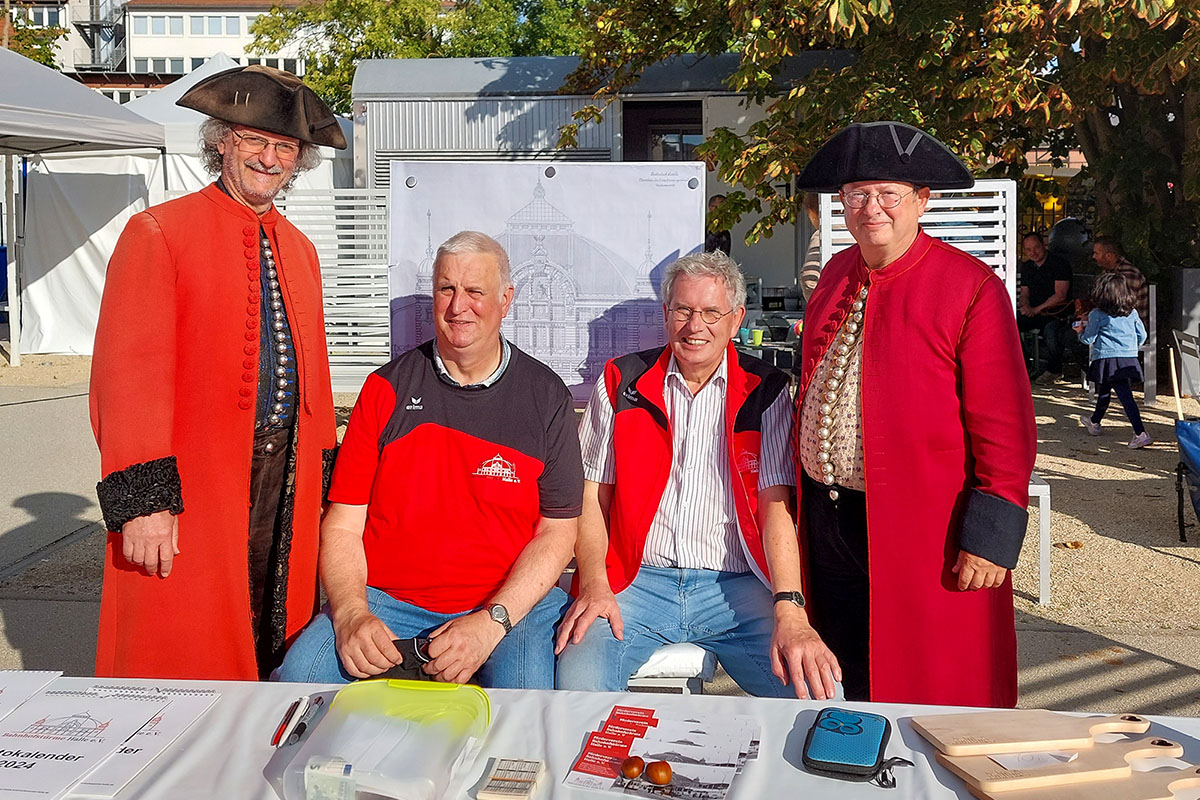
{"type": "Point", "coordinates": [1102, 762]}
{"type": "Point", "coordinates": [1019, 731]}
{"type": "Point", "coordinates": [1158, 785]}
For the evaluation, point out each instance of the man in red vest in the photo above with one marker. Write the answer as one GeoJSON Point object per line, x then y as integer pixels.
{"type": "Point", "coordinates": [685, 534]}
{"type": "Point", "coordinates": [916, 436]}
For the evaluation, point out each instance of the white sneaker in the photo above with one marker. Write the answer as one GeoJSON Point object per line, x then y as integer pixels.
{"type": "Point", "coordinates": [1091, 427]}
{"type": "Point", "coordinates": [1139, 441]}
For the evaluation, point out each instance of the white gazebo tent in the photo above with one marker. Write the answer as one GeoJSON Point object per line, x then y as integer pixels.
{"type": "Point", "coordinates": [43, 111]}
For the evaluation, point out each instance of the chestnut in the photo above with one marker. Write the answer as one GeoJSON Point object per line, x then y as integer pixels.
{"type": "Point", "coordinates": [632, 767]}
{"type": "Point", "coordinates": [658, 773]}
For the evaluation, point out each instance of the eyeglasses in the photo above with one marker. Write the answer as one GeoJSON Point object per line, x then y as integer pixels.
{"type": "Point", "coordinates": [710, 315]}
{"type": "Point", "coordinates": [857, 199]}
{"type": "Point", "coordinates": [285, 151]}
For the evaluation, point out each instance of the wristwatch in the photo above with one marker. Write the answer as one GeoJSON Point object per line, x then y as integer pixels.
{"type": "Point", "coordinates": [499, 613]}
{"type": "Point", "coordinates": [790, 597]}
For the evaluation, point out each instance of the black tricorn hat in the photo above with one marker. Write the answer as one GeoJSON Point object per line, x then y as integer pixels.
{"type": "Point", "coordinates": [883, 151]}
{"type": "Point", "coordinates": [268, 99]}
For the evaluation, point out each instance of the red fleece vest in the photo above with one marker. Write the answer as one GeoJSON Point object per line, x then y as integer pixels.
{"type": "Point", "coordinates": [642, 446]}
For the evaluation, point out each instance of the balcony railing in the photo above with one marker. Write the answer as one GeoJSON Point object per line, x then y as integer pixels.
{"type": "Point", "coordinates": [109, 59]}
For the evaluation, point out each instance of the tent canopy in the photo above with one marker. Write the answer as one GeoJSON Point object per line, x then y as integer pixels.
{"type": "Point", "coordinates": [180, 123]}
{"type": "Point", "coordinates": [43, 111]}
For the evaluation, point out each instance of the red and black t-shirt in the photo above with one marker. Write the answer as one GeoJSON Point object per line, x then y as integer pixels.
{"type": "Point", "coordinates": [455, 479]}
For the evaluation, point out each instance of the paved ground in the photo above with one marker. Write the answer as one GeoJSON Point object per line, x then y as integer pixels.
{"type": "Point", "coordinates": [51, 551]}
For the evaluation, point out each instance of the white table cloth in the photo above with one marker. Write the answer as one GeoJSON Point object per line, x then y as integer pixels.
{"type": "Point", "coordinates": [223, 755]}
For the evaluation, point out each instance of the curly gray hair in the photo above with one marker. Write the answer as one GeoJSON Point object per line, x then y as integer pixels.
{"type": "Point", "coordinates": [212, 131]}
{"type": "Point", "coordinates": [707, 265]}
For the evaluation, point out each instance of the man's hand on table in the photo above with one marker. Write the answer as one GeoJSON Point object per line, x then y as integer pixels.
{"type": "Point", "coordinates": [799, 655]}
{"type": "Point", "coordinates": [592, 602]}
{"type": "Point", "coordinates": [458, 648]}
{"type": "Point", "coordinates": [364, 644]}
{"type": "Point", "coordinates": [151, 542]}
{"type": "Point", "coordinates": [975, 572]}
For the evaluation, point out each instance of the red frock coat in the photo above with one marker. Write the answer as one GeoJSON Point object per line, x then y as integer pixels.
{"type": "Point", "coordinates": [948, 447]}
{"type": "Point", "coordinates": [175, 373]}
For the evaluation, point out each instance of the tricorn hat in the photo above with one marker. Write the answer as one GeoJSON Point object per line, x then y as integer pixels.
{"type": "Point", "coordinates": [268, 99]}
{"type": "Point", "coordinates": [883, 151]}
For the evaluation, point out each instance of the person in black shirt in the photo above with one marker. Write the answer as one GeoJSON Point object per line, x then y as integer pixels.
{"type": "Point", "coordinates": [717, 240]}
{"type": "Point", "coordinates": [1044, 301]}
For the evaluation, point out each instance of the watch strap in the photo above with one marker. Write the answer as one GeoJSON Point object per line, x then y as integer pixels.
{"type": "Point", "coordinates": [790, 597]}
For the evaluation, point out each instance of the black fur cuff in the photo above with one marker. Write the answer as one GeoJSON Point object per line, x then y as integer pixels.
{"type": "Point", "coordinates": [140, 490]}
{"type": "Point", "coordinates": [328, 457]}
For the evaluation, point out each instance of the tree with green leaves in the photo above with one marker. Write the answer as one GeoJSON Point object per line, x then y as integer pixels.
{"type": "Point", "coordinates": [334, 35]}
{"type": "Point", "coordinates": [36, 43]}
{"type": "Point", "coordinates": [994, 79]}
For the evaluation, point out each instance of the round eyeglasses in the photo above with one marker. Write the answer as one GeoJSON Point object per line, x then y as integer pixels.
{"type": "Point", "coordinates": [889, 199]}
{"type": "Point", "coordinates": [285, 151]}
{"type": "Point", "coordinates": [710, 315]}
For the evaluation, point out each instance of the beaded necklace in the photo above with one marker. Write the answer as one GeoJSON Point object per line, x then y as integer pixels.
{"type": "Point", "coordinates": [847, 340]}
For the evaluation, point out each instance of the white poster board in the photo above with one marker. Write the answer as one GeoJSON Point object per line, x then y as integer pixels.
{"type": "Point", "coordinates": [587, 243]}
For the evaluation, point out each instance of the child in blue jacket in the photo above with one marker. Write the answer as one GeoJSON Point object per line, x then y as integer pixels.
{"type": "Point", "coordinates": [1115, 332]}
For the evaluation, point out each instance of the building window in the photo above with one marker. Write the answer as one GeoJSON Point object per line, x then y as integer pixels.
{"type": "Point", "coordinates": [233, 26]}
{"type": "Point", "coordinates": [158, 26]}
{"type": "Point", "coordinates": [42, 17]}
{"type": "Point", "coordinates": [253, 62]}
{"type": "Point", "coordinates": [139, 25]}
{"type": "Point", "coordinates": [214, 26]}
{"type": "Point", "coordinates": [290, 65]}
{"type": "Point", "coordinates": [177, 66]}
{"type": "Point", "coordinates": [141, 65]}
{"type": "Point", "coordinates": [159, 65]}
{"type": "Point", "coordinates": [250, 20]}
{"type": "Point", "coordinates": [271, 62]}
{"type": "Point", "coordinates": [176, 26]}
{"type": "Point", "coordinates": [197, 63]}
{"type": "Point", "coordinates": [197, 26]}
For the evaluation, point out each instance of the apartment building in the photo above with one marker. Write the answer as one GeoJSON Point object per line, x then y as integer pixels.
{"type": "Point", "coordinates": [126, 48]}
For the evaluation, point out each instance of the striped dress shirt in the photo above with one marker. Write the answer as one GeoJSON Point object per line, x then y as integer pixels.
{"type": "Point", "coordinates": [695, 526]}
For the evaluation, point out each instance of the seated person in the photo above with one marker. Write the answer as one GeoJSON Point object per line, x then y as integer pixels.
{"type": "Point", "coordinates": [454, 501]}
{"type": "Point", "coordinates": [1044, 302]}
{"type": "Point", "coordinates": [685, 532]}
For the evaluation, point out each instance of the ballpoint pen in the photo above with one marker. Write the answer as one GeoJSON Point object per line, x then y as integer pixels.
{"type": "Point", "coordinates": [283, 723]}
{"type": "Point", "coordinates": [305, 719]}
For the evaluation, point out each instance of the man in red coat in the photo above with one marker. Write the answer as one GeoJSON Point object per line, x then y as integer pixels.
{"type": "Point", "coordinates": [916, 437]}
{"type": "Point", "coordinates": [211, 401]}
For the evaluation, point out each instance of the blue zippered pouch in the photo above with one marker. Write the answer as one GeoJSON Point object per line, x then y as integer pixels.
{"type": "Point", "coordinates": [850, 745]}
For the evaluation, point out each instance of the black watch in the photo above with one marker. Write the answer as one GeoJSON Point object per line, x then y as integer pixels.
{"type": "Point", "coordinates": [499, 613]}
{"type": "Point", "coordinates": [790, 597]}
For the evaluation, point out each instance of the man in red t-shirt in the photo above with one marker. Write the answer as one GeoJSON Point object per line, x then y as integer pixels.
{"type": "Point", "coordinates": [454, 501]}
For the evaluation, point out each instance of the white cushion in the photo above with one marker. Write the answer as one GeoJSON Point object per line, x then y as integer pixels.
{"type": "Point", "coordinates": [679, 661]}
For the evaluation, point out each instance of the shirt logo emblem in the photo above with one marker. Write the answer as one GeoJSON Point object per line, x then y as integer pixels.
{"type": "Point", "coordinates": [630, 394]}
{"type": "Point", "coordinates": [497, 467]}
{"type": "Point", "coordinates": [415, 404]}
{"type": "Point", "coordinates": [747, 462]}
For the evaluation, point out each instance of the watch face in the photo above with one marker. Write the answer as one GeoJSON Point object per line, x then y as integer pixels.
{"type": "Point", "coordinates": [499, 613]}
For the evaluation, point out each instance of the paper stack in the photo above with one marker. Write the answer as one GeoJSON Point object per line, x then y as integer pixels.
{"type": "Point", "coordinates": [705, 753]}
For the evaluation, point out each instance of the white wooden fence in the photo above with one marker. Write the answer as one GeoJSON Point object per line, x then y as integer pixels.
{"type": "Point", "coordinates": [349, 228]}
{"type": "Point", "coordinates": [981, 220]}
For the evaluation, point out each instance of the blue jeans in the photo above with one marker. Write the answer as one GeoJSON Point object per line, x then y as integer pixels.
{"type": "Point", "coordinates": [524, 659]}
{"type": "Point", "coordinates": [729, 614]}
